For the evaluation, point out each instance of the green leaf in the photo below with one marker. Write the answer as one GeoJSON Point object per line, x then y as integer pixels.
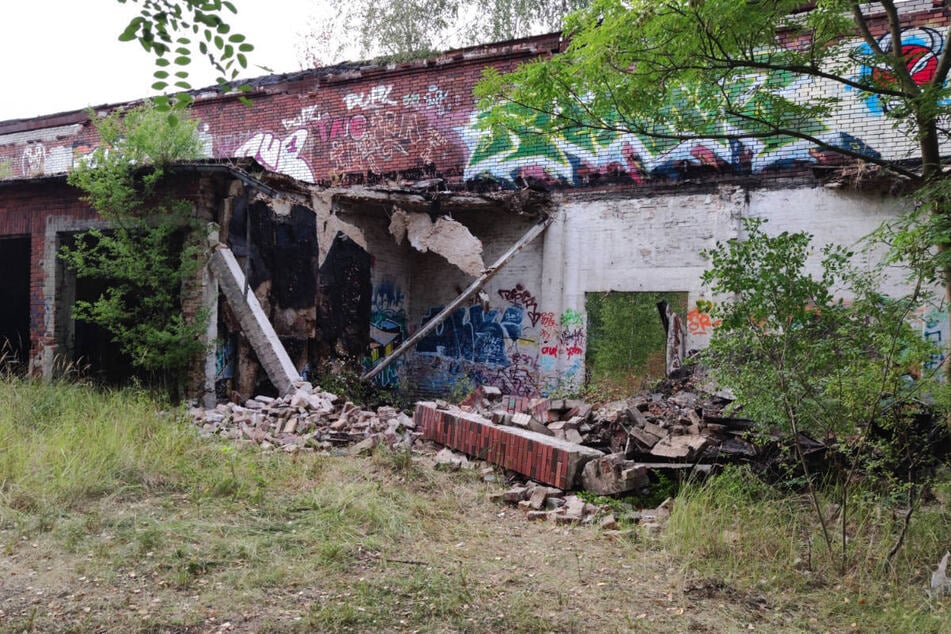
{"type": "Point", "coordinates": [131, 30]}
{"type": "Point", "coordinates": [182, 60]}
{"type": "Point", "coordinates": [159, 85]}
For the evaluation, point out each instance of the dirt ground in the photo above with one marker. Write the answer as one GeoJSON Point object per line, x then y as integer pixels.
{"type": "Point", "coordinates": [465, 564]}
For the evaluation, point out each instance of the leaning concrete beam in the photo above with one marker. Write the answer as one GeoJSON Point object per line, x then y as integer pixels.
{"type": "Point", "coordinates": [542, 458]}
{"type": "Point", "coordinates": [450, 308]}
{"type": "Point", "coordinates": [254, 322]}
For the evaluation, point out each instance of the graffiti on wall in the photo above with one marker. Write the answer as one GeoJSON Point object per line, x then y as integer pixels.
{"type": "Point", "coordinates": [497, 345]}
{"type": "Point", "coordinates": [575, 157]}
{"type": "Point", "coordinates": [699, 320]}
{"type": "Point", "coordinates": [279, 154]}
{"type": "Point", "coordinates": [932, 322]}
{"type": "Point", "coordinates": [381, 128]}
{"type": "Point", "coordinates": [387, 330]}
{"type": "Point", "coordinates": [921, 47]}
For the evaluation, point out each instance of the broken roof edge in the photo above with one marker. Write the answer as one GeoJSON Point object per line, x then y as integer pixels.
{"type": "Point", "coordinates": [413, 196]}
{"type": "Point", "coordinates": [340, 72]}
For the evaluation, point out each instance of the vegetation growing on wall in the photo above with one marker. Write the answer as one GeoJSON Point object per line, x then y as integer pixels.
{"type": "Point", "coordinates": [149, 250]}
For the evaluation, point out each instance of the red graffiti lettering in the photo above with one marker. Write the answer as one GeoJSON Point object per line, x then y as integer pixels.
{"type": "Point", "coordinates": [358, 127]}
{"type": "Point", "coordinates": [574, 350]}
{"type": "Point", "coordinates": [700, 323]}
{"type": "Point", "coordinates": [551, 351]}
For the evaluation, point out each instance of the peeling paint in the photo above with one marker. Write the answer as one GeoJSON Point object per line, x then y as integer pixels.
{"type": "Point", "coordinates": [446, 237]}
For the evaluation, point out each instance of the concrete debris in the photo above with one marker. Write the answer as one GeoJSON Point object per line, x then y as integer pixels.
{"type": "Point", "coordinates": [613, 474]}
{"type": "Point", "coordinates": [446, 237]}
{"type": "Point", "coordinates": [449, 459]}
{"type": "Point", "coordinates": [679, 426]}
{"type": "Point", "coordinates": [940, 582]}
{"type": "Point", "coordinates": [542, 503]}
{"type": "Point", "coordinates": [308, 419]}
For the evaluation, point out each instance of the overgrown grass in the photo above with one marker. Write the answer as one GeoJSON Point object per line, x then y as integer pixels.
{"type": "Point", "coordinates": [63, 444]}
{"type": "Point", "coordinates": [742, 532]}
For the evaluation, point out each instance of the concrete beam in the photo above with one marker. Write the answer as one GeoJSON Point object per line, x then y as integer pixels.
{"type": "Point", "coordinates": [255, 324]}
{"type": "Point", "coordinates": [472, 289]}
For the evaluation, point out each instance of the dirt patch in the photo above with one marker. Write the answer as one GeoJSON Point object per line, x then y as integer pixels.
{"type": "Point", "coordinates": [404, 548]}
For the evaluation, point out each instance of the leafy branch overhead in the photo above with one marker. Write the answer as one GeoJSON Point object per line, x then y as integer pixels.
{"type": "Point", "coordinates": [768, 74]}
{"type": "Point", "coordinates": [175, 31]}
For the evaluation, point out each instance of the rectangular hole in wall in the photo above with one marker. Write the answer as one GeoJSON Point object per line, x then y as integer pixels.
{"type": "Point", "coordinates": [626, 339]}
{"type": "Point", "coordinates": [14, 303]}
{"type": "Point", "coordinates": [85, 347]}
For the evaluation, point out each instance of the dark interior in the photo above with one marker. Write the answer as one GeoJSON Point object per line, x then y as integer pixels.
{"type": "Point", "coordinates": [14, 302]}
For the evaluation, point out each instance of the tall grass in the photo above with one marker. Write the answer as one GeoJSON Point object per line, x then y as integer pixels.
{"type": "Point", "coordinates": [62, 443]}
{"type": "Point", "coordinates": [738, 530]}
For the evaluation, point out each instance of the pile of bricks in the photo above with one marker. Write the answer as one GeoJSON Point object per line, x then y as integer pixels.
{"type": "Point", "coordinates": [307, 420]}
{"type": "Point", "coordinates": [567, 443]}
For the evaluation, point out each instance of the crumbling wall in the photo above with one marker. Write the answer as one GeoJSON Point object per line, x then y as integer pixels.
{"type": "Point", "coordinates": [313, 285]}
{"type": "Point", "coordinates": [495, 341]}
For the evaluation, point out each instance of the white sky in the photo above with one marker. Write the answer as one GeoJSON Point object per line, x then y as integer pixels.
{"type": "Point", "coordinates": [61, 55]}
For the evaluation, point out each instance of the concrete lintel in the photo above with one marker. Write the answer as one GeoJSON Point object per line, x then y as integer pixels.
{"type": "Point", "coordinates": [255, 324]}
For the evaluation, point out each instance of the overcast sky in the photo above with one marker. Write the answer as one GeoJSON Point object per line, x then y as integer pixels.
{"type": "Point", "coordinates": [61, 55]}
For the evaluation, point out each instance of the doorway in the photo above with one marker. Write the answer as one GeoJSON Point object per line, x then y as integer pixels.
{"type": "Point", "coordinates": [14, 303]}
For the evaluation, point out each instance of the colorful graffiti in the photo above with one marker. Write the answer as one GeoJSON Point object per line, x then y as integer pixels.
{"type": "Point", "coordinates": [921, 46]}
{"type": "Point", "coordinates": [699, 320]}
{"type": "Point", "coordinates": [487, 345]}
{"type": "Point", "coordinates": [387, 330]}
{"type": "Point", "coordinates": [543, 151]}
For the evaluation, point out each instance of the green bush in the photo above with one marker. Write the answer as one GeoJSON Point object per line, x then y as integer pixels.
{"type": "Point", "coordinates": [152, 246]}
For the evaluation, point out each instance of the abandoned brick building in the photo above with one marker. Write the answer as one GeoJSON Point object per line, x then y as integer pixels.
{"type": "Point", "coordinates": [368, 199]}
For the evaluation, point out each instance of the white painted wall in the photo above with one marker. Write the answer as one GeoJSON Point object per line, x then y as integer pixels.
{"type": "Point", "coordinates": [653, 243]}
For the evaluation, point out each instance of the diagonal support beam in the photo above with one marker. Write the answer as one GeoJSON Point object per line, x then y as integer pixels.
{"type": "Point", "coordinates": [471, 290]}
{"type": "Point", "coordinates": [254, 322]}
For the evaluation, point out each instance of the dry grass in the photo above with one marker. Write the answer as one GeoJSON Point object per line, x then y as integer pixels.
{"type": "Point", "coordinates": [116, 517]}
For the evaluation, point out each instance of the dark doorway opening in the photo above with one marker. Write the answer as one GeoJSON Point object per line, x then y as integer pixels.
{"type": "Point", "coordinates": [90, 350]}
{"type": "Point", "coordinates": [14, 303]}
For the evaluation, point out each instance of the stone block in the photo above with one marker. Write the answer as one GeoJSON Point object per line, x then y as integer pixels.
{"type": "Point", "coordinates": [613, 474]}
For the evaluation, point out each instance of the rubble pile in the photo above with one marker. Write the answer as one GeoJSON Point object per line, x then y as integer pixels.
{"type": "Point", "coordinates": [307, 419]}
{"type": "Point", "coordinates": [543, 503]}
{"type": "Point", "coordinates": [681, 422]}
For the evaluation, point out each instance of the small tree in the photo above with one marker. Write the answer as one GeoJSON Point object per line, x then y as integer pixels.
{"type": "Point", "coordinates": [725, 72]}
{"type": "Point", "coordinates": [826, 355]}
{"type": "Point", "coordinates": [148, 251]}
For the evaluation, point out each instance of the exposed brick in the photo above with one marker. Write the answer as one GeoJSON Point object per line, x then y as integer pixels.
{"type": "Point", "coordinates": [542, 458]}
